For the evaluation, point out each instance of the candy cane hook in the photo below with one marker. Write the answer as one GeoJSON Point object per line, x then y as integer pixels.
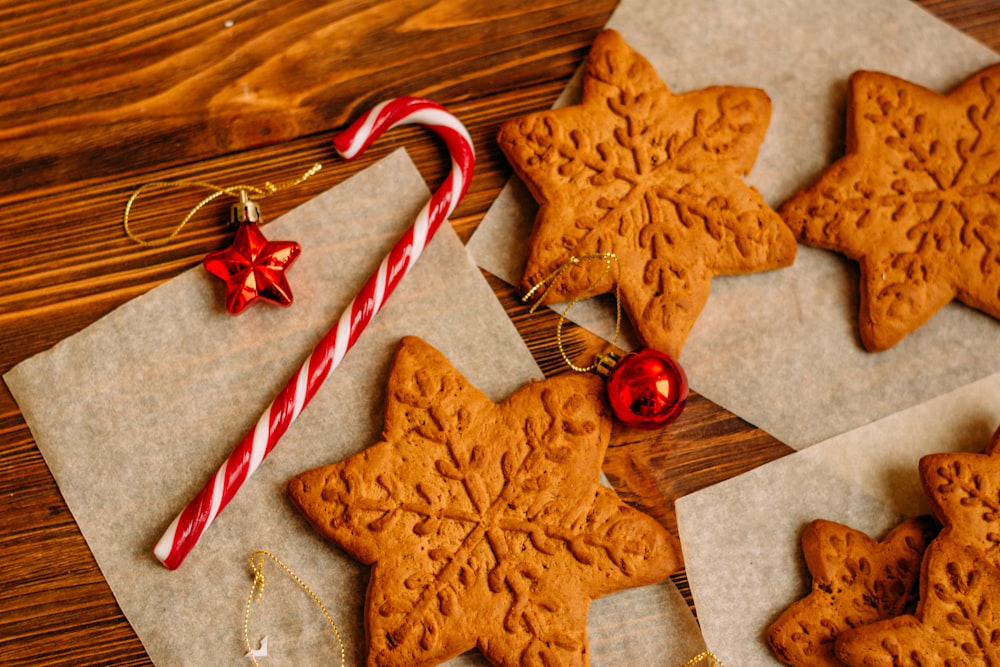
{"type": "Point", "coordinates": [185, 531]}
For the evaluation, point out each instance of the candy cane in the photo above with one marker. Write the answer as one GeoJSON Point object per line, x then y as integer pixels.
{"type": "Point", "coordinates": [194, 520]}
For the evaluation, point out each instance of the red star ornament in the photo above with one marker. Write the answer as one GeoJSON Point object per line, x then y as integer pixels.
{"type": "Point", "coordinates": [253, 268]}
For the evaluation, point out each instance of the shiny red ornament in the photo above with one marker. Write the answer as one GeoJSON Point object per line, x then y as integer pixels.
{"type": "Point", "coordinates": [253, 268]}
{"type": "Point", "coordinates": [647, 389]}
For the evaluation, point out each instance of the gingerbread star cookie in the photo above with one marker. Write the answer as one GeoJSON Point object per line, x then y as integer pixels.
{"type": "Point", "coordinates": [654, 177]}
{"type": "Point", "coordinates": [957, 620]}
{"type": "Point", "coordinates": [964, 492]}
{"type": "Point", "coordinates": [855, 581]}
{"type": "Point", "coordinates": [915, 201]}
{"type": "Point", "coordinates": [956, 623]}
{"type": "Point", "coordinates": [485, 524]}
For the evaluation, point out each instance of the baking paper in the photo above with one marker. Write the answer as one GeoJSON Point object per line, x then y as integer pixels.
{"type": "Point", "coordinates": [135, 413]}
{"type": "Point", "coordinates": [781, 349]}
{"type": "Point", "coordinates": [742, 537]}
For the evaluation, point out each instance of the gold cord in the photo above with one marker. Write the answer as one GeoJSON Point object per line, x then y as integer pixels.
{"type": "Point", "coordinates": [713, 661]}
{"type": "Point", "coordinates": [218, 191]}
{"type": "Point", "coordinates": [550, 280]}
{"type": "Point", "coordinates": [257, 566]}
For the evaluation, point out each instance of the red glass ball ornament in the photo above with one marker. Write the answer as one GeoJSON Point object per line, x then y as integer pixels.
{"type": "Point", "coordinates": [647, 389]}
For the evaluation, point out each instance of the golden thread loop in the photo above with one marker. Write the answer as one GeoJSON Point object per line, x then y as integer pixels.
{"type": "Point", "coordinates": [713, 660]}
{"type": "Point", "coordinates": [548, 281]}
{"type": "Point", "coordinates": [218, 191]}
{"type": "Point", "coordinates": [257, 566]}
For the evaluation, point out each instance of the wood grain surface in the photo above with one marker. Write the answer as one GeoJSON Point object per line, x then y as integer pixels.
{"type": "Point", "coordinates": [100, 96]}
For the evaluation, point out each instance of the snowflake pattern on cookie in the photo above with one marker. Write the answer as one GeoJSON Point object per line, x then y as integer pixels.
{"type": "Point", "coordinates": [957, 623]}
{"type": "Point", "coordinates": [915, 201]}
{"type": "Point", "coordinates": [856, 580]}
{"type": "Point", "coordinates": [654, 177]}
{"type": "Point", "coordinates": [957, 619]}
{"type": "Point", "coordinates": [485, 524]}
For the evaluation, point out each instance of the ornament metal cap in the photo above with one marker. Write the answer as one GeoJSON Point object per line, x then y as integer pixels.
{"type": "Point", "coordinates": [244, 211]}
{"type": "Point", "coordinates": [606, 363]}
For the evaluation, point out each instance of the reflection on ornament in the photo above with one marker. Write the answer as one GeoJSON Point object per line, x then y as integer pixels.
{"type": "Point", "coordinates": [646, 389]}
{"type": "Point", "coordinates": [253, 268]}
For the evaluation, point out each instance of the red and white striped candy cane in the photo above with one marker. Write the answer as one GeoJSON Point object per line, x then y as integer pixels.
{"type": "Point", "coordinates": [194, 520]}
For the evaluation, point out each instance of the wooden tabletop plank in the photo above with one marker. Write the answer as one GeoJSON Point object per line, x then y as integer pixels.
{"type": "Point", "coordinates": [97, 89]}
{"type": "Point", "coordinates": [99, 96]}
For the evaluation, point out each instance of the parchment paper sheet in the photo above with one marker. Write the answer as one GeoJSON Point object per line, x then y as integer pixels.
{"type": "Point", "coordinates": [135, 413]}
{"type": "Point", "coordinates": [781, 349]}
{"type": "Point", "coordinates": [742, 537]}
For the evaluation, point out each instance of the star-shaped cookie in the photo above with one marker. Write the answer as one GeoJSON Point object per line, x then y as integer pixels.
{"type": "Point", "coordinates": [957, 620]}
{"type": "Point", "coordinates": [964, 492]}
{"type": "Point", "coordinates": [915, 201]}
{"type": "Point", "coordinates": [655, 178]}
{"type": "Point", "coordinates": [855, 581]}
{"type": "Point", "coordinates": [253, 268]}
{"type": "Point", "coordinates": [485, 524]}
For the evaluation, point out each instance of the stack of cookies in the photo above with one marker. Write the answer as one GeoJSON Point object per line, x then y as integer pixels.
{"type": "Point", "coordinates": [855, 613]}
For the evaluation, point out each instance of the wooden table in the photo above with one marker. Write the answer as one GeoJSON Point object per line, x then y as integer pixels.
{"type": "Point", "coordinates": [98, 97]}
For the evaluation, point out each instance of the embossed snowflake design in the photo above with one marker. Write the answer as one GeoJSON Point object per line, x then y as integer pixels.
{"type": "Point", "coordinates": [957, 620]}
{"type": "Point", "coordinates": [915, 200]}
{"type": "Point", "coordinates": [856, 580]}
{"type": "Point", "coordinates": [655, 178]}
{"type": "Point", "coordinates": [485, 524]}
{"type": "Point", "coordinates": [964, 490]}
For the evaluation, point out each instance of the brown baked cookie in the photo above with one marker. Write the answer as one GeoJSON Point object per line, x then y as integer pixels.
{"type": "Point", "coordinates": [957, 620]}
{"type": "Point", "coordinates": [485, 524]}
{"type": "Point", "coordinates": [654, 177]}
{"type": "Point", "coordinates": [855, 581]}
{"type": "Point", "coordinates": [964, 492]}
{"type": "Point", "coordinates": [914, 201]}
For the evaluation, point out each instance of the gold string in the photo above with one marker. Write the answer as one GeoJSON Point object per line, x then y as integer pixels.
{"type": "Point", "coordinates": [713, 661]}
{"type": "Point", "coordinates": [218, 191]}
{"type": "Point", "coordinates": [257, 565]}
{"type": "Point", "coordinates": [548, 281]}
